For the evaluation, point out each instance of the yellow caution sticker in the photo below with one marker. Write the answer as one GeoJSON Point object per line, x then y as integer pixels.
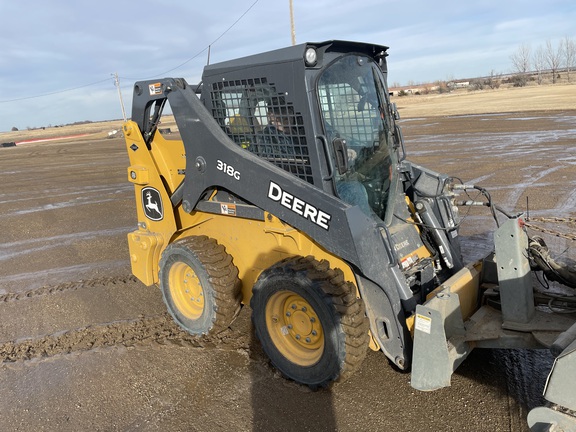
{"type": "Point", "coordinates": [423, 323]}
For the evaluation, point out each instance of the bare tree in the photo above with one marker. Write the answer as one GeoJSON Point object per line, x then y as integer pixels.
{"type": "Point", "coordinates": [553, 59]}
{"type": "Point", "coordinates": [493, 81]}
{"type": "Point", "coordinates": [539, 62]}
{"type": "Point", "coordinates": [521, 59]}
{"type": "Point", "coordinates": [569, 55]}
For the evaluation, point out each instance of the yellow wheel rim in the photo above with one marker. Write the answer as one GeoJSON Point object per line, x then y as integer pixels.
{"type": "Point", "coordinates": [186, 290]}
{"type": "Point", "coordinates": [294, 328]}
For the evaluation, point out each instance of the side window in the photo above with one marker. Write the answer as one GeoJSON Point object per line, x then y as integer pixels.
{"type": "Point", "coordinates": [261, 120]}
{"type": "Point", "coordinates": [352, 101]}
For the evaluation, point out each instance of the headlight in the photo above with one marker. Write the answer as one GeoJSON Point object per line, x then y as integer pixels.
{"type": "Point", "coordinates": [310, 56]}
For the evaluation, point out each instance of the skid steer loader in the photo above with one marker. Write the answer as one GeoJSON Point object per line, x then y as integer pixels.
{"type": "Point", "coordinates": [289, 189]}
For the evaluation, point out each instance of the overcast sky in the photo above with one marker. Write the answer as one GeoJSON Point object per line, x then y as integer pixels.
{"type": "Point", "coordinates": [58, 56]}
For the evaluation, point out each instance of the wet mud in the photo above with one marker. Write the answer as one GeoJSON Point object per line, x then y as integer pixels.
{"type": "Point", "coordinates": [86, 346]}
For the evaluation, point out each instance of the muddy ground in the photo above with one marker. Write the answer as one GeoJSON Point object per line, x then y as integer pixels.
{"type": "Point", "coordinates": [85, 346]}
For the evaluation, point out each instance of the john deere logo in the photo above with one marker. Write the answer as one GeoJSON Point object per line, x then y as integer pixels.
{"type": "Point", "coordinates": [152, 203]}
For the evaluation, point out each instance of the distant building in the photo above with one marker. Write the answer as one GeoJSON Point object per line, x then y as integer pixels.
{"type": "Point", "coordinates": [459, 84]}
{"type": "Point", "coordinates": [413, 90]}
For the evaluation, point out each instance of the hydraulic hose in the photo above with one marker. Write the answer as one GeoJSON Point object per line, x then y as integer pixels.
{"type": "Point", "coordinates": [553, 270]}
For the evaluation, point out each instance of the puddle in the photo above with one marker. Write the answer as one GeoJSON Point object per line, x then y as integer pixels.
{"type": "Point", "coordinates": [478, 115]}
{"type": "Point", "coordinates": [61, 205]}
{"type": "Point", "coordinates": [500, 144]}
{"type": "Point", "coordinates": [23, 282]}
{"type": "Point", "coordinates": [25, 247]}
{"type": "Point", "coordinates": [56, 193]}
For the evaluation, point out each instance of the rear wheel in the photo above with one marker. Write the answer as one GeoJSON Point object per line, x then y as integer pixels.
{"type": "Point", "coordinates": [309, 321]}
{"type": "Point", "coordinates": [200, 285]}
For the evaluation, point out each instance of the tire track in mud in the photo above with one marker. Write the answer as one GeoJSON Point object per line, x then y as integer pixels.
{"type": "Point", "coordinates": [67, 286]}
{"type": "Point", "coordinates": [141, 331]}
{"type": "Point", "coordinates": [520, 188]}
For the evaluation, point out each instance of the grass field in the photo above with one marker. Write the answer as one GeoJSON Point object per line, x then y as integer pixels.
{"type": "Point", "coordinates": [515, 99]}
{"type": "Point", "coordinates": [462, 102]}
{"type": "Point", "coordinates": [96, 130]}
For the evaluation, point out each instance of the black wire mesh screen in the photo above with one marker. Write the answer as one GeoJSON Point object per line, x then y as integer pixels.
{"type": "Point", "coordinates": [259, 119]}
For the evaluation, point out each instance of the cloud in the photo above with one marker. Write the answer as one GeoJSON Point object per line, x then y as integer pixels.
{"type": "Point", "coordinates": [58, 45]}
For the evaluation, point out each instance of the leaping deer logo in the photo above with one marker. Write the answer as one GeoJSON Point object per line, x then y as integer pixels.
{"type": "Point", "coordinates": [152, 204]}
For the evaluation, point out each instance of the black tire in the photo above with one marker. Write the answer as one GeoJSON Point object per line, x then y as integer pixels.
{"type": "Point", "coordinates": [200, 285]}
{"type": "Point", "coordinates": [309, 321]}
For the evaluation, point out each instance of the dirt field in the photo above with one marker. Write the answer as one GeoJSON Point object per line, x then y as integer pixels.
{"type": "Point", "coordinates": [85, 346]}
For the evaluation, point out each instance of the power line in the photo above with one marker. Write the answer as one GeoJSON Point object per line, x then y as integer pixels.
{"type": "Point", "coordinates": [235, 22]}
{"type": "Point", "coordinates": [163, 73]}
{"type": "Point", "coordinates": [205, 48]}
{"type": "Point", "coordinates": [55, 92]}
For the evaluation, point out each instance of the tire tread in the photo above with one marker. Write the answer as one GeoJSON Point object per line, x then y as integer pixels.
{"type": "Point", "coordinates": [341, 295]}
{"type": "Point", "coordinates": [222, 275]}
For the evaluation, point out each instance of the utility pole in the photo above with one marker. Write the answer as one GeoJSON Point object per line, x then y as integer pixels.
{"type": "Point", "coordinates": [117, 84]}
{"type": "Point", "coordinates": [292, 27]}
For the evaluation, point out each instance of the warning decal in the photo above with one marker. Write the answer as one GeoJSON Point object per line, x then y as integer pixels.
{"type": "Point", "coordinates": [228, 209]}
{"type": "Point", "coordinates": [423, 323]}
{"type": "Point", "coordinates": [155, 89]}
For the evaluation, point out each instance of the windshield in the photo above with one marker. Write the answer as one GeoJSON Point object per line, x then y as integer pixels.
{"type": "Point", "coordinates": [353, 103]}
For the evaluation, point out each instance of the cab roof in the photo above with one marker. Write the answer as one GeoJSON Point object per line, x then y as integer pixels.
{"type": "Point", "coordinates": [295, 54]}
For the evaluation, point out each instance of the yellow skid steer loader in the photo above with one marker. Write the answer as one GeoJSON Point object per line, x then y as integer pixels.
{"type": "Point", "coordinates": [289, 189]}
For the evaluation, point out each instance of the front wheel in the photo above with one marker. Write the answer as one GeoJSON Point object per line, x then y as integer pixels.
{"type": "Point", "coordinates": [309, 321]}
